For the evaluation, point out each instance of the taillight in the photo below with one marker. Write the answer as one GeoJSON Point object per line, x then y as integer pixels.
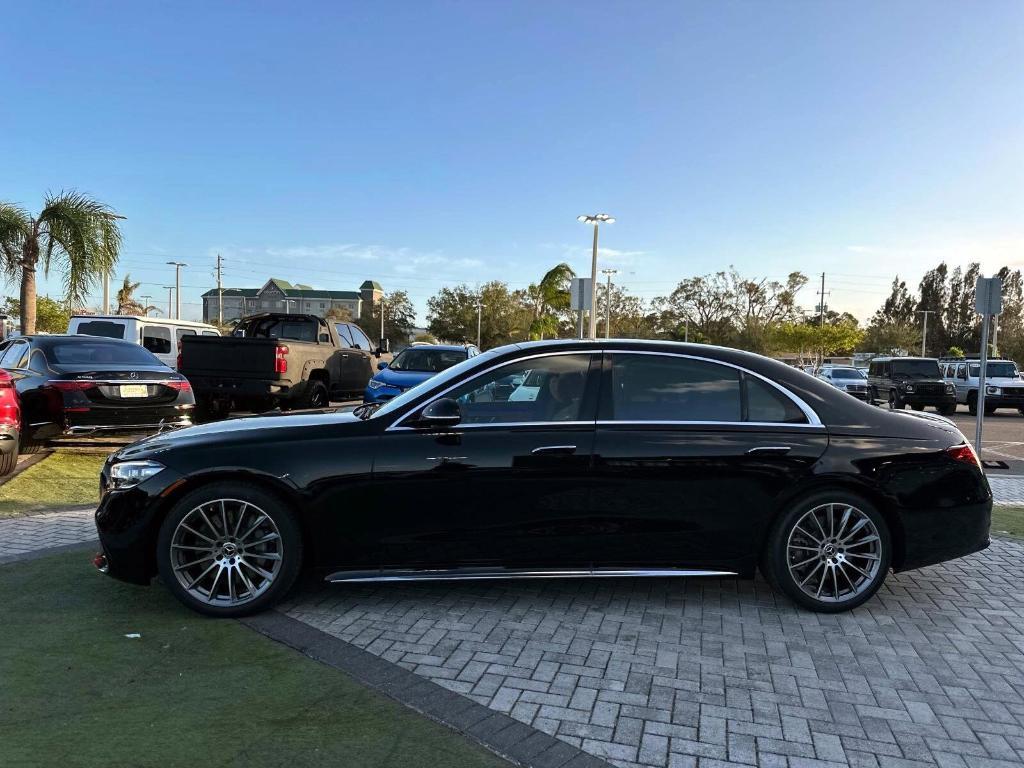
{"type": "Point", "coordinates": [10, 412]}
{"type": "Point", "coordinates": [6, 382]}
{"type": "Point", "coordinates": [280, 359]}
{"type": "Point", "coordinates": [182, 385]}
{"type": "Point", "coordinates": [965, 453]}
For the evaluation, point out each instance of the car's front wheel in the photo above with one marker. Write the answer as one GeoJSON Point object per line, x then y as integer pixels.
{"type": "Point", "coordinates": [828, 553]}
{"type": "Point", "coordinates": [895, 401]}
{"type": "Point", "coordinates": [229, 549]}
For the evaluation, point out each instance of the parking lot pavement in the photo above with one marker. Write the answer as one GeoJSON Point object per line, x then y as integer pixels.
{"type": "Point", "coordinates": [19, 535]}
{"type": "Point", "coordinates": [663, 672]}
{"type": "Point", "coordinates": [1002, 435]}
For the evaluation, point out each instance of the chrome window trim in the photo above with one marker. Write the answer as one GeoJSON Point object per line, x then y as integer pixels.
{"type": "Point", "coordinates": [397, 425]}
{"type": "Point", "coordinates": [812, 418]}
{"type": "Point", "coordinates": [808, 412]}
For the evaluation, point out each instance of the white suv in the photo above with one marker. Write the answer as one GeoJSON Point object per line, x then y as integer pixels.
{"type": "Point", "coordinates": [1003, 385]}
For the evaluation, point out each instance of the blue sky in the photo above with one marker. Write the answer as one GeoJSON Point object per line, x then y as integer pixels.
{"type": "Point", "coordinates": [430, 143]}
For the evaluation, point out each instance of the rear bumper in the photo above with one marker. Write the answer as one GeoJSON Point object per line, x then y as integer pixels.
{"type": "Point", "coordinates": [220, 388]}
{"type": "Point", "coordinates": [126, 421]}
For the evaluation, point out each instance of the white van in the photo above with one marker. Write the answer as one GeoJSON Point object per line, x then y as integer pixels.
{"type": "Point", "coordinates": [159, 336]}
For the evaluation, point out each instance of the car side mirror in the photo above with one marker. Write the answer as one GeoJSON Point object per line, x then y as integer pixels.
{"type": "Point", "coordinates": [384, 346]}
{"type": "Point", "coordinates": [441, 413]}
{"type": "Point", "coordinates": [382, 365]}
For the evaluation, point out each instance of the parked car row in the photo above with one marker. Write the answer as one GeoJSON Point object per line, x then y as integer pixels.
{"type": "Point", "coordinates": [553, 459]}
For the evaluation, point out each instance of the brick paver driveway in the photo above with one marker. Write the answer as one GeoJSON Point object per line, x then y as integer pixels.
{"type": "Point", "coordinates": [684, 672]}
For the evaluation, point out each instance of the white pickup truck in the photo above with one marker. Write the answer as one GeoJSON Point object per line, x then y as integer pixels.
{"type": "Point", "coordinates": [1004, 387]}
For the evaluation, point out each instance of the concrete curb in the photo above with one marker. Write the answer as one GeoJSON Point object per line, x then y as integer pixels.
{"type": "Point", "coordinates": [35, 554]}
{"type": "Point", "coordinates": [495, 731]}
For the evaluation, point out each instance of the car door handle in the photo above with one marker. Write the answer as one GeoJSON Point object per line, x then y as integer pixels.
{"type": "Point", "coordinates": [769, 450]}
{"type": "Point", "coordinates": [555, 449]}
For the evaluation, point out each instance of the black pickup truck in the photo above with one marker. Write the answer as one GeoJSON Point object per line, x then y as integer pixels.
{"type": "Point", "coordinates": [277, 360]}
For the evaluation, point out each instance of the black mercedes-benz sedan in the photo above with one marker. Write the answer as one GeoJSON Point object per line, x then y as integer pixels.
{"type": "Point", "coordinates": [549, 459]}
{"type": "Point", "coordinates": [84, 385]}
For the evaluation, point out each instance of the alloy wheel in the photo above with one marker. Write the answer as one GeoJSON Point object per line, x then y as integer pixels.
{"type": "Point", "coordinates": [226, 552]}
{"type": "Point", "coordinates": [834, 552]}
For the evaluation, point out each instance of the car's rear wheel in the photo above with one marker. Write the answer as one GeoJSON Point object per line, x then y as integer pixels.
{"type": "Point", "coordinates": [8, 461]}
{"type": "Point", "coordinates": [829, 553]}
{"type": "Point", "coordinates": [316, 395]}
{"type": "Point", "coordinates": [229, 549]}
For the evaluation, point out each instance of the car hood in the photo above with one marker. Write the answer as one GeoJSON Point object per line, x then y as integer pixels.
{"type": "Point", "coordinates": [240, 430]}
{"type": "Point", "coordinates": [849, 381]}
{"type": "Point", "coordinates": [403, 379]}
{"type": "Point", "coordinates": [1002, 381]}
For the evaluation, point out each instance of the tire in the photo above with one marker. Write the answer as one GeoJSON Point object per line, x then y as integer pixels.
{"type": "Point", "coordinates": [783, 563]}
{"type": "Point", "coordinates": [8, 461]}
{"type": "Point", "coordinates": [236, 569]}
{"type": "Point", "coordinates": [947, 409]}
{"type": "Point", "coordinates": [316, 395]}
{"type": "Point", "coordinates": [1020, 411]}
{"type": "Point", "coordinates": [989, 410]}
{"type": "Point", "coordinates": [972, 403]}
{"type": "Point", "coordinates": [917, 406]}
{"type": "Point", "coordinates": [30, 447]}
{"type": "Point", "coordinates": [895, 401]}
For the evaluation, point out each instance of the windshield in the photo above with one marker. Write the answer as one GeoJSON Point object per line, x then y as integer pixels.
{"type": "Point", "coordinates": [848, 373]}
{"type": "Point", "coordinates": [437, 381]}
{"type": "Point", "coordinates": [916, 369]}
{"type": "Point", "coordinates": [427, 360]}
{"type": "Point", "coordinates": [100, 353]}
{"type": "Point", "coordinates": [1006, 370]}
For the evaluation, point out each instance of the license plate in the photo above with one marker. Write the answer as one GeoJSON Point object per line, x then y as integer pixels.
{"type": "Point", "coordinates": [134, 390]}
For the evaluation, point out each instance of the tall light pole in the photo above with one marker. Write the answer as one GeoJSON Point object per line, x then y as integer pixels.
{"type": "Point", "coordinates": [479, 318]}
{"type": "Point", "coordinates": [597, 219]}
{"type": "Point", "coordinates": [380, 343]}
{"type": "Point", "coordinates": [924, 335]}
{"type": "Point", "coordinates": [177, 286]}
{"type": "Point", "coordinates": [170, 294]}
{"type": "Point", "coordinates": [608, 301]}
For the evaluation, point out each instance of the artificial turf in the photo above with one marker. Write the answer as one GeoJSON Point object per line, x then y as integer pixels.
{"type": "Point", "coordinates": [76, 690]}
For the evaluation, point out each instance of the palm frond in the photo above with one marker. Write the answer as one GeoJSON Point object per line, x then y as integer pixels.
{"type": "Point", "coordinates": [85, 233]}
{"type": "Point", "coordinates": [15, 229]}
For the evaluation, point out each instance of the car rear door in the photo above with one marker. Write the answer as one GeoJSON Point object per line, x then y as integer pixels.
{"type": "Point", "coordinates": [690, 458]}
{"type": "Point", "coordinates": [507, 487]}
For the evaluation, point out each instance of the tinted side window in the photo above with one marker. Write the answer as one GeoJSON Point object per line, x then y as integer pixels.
{"type": "Point", "coordinates": [180, 332]}
{"type": "Point", "coordinates": [14, 355]}
{"type": "Point", "coordinates": [360, 339]}
{"type": "Point", "coordinates": [765, 403]}
{"type": "Point", "coordinates": [157, 339]}
{"type": "Point", "coordinates": [663, 388]}
{"type": "Point", "coordinates": [346, 337]}
{"type": "Point", "coordinates": [553, 391]}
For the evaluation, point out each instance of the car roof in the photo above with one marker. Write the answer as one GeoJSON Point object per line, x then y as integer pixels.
{"type": "Point", "coordinates": [83, 338]}
{"type": "Point", "coordinates": [458, 347]}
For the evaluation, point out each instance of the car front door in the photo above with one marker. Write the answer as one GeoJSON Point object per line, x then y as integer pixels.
{"type": "Point", "coordinates": [507, 487]}
{"type": "Point", "coordinates": [690, 458]}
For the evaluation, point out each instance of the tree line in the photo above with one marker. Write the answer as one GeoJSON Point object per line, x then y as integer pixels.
{"type": "Point", "coordinates": [726, 308]}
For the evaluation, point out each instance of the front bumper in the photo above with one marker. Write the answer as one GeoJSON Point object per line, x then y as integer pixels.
{"type": "Point", "coordinates": [1005, 400]}
{"type": "Point", "coordinates": [917, 398]}
{"type": "Point", "coordinates": [128, 522]}
{"type": "Point", "coordinates": [381, 394]}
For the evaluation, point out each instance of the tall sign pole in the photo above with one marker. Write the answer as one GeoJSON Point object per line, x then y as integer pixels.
{"type": "Point", "coordinates": [988, 301]}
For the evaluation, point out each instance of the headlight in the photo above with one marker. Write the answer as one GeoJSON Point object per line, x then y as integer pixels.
{"type": "Point", "coordinates": [950, 389]}
{"type": "Point", "coordinates": [374, 384]}
{"type": "Point", "coordinates": [128, 474]}
{"type": "Point", "coordinates": [908, 387]}
{"type": "Point", "coordinates": [993, 390]}
{"type": "Point", "coordinates": [841, 386]}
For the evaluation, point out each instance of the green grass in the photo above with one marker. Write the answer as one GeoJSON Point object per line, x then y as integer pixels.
{"type": "Point", "coordinates": [59, 480]}
{"type": "Point", "coordinates": [1008, 520]}
{"type": "Point", "coordinates": [191, 691]}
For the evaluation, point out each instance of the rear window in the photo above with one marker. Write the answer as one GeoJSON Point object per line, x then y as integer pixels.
{"type": "Point", "coordinates": [107, 328]}
{"type": "Point", "coordinates": [99, 353]}
{"type": "Point", "coordinates": [282, 328]}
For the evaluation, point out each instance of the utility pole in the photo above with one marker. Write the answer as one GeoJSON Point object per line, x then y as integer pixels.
{"type": "Point", "coordinates": [177, 286]}
{"type": "Point", "coordinates": [686, 331]}
{"type": "Point", "coordinates": [822, 294]}
{"type": "Point", "coordinates": [924, 336]}
{"type": "Point", "coordinates": [380, 343]}
{"type": "Point", "coordinates": [106, 293]}
{"type": "Point", "coordinates": [146, 304]}
{"type": "Point", "coordinates": [995, 335]}
{"type": "Point", "coordinates": [170, 289]}
{"type": "Point", "coordinates": [608, 301]}
{"type": "Point", "coordinates": [479, 317]}
{"type": "Point", "coordinates": [220, 292]}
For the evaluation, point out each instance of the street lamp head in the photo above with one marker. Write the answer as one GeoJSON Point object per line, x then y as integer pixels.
{"type": "Point", "coordinates": [596, 218]}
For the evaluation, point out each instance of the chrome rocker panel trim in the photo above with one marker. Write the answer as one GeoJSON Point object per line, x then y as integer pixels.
{"type": "Point", "coordinates": [479, 574]}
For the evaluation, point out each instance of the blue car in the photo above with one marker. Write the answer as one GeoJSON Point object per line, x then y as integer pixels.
{"type": "Point", "coordinates": [412, 366]}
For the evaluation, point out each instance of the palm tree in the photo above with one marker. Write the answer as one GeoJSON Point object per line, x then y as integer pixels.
{"type": "Point", "coordinates": [127, 304]}
{"type": "Point", "coordinates": [550, 296]}
{"type": "Point", "coordinates": [80, 233]}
